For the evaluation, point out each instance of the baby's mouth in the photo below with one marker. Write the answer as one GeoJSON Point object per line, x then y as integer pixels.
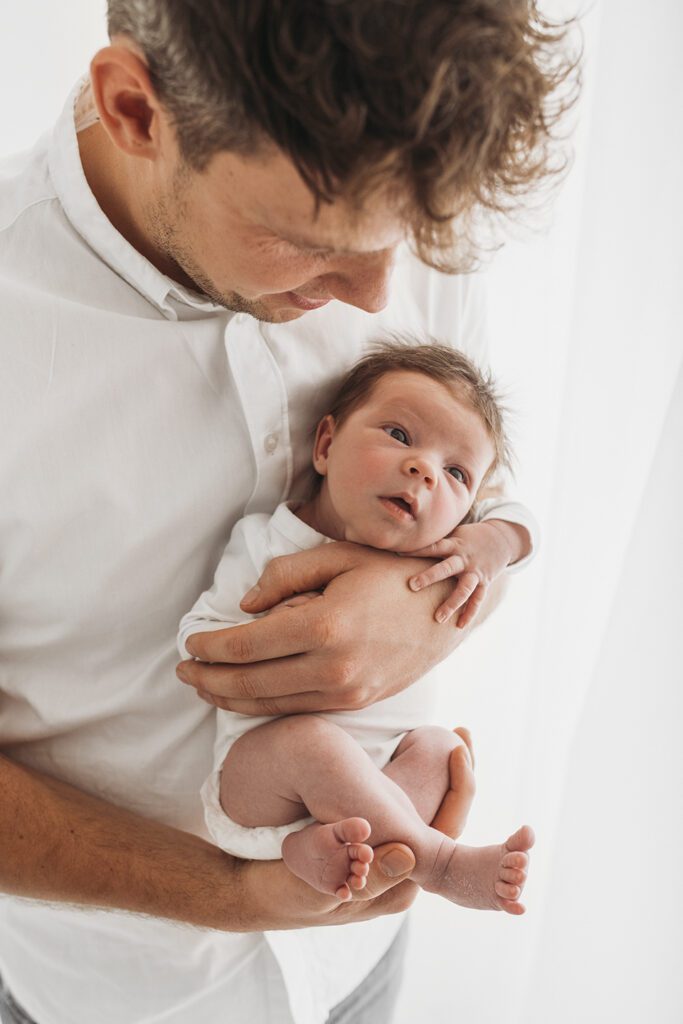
{"type": "Point", "coordinates": [399, 506]}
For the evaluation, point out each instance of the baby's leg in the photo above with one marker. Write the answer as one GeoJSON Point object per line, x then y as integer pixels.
{"type": "Point", "coordinates": [318, 765]}
{"type": "Point", "coordinates": [255, 790]}
{"type": "Point", "coordinates": [435, 767]}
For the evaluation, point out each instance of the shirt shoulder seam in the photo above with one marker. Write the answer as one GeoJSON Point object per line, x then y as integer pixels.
{"type": "Point", "coordinates": [25, 209]}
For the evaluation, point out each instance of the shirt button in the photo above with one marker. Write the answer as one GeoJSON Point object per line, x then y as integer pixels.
{"type": "Point", "coordinates": [270, 443]}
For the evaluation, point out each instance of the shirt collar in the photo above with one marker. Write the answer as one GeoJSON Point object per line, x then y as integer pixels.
{"type": "Point", "coordinates": [83, 211]}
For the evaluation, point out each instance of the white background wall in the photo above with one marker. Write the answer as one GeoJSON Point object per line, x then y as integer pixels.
{"type": "Point", "coordinates": [573, 689]}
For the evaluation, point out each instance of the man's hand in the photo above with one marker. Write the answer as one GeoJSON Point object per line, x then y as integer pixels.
{"type": "Point", "coordinates": [365, 638]}
{"type": "Point", "coordinates": [476, 553]}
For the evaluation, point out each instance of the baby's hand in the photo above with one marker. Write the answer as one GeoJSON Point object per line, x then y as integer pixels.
{"type": "Point", "coordinates": [476, 553]}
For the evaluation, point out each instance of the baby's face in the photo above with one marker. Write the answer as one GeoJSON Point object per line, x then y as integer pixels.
{"type": "Point", "coordinates": [403, 470]}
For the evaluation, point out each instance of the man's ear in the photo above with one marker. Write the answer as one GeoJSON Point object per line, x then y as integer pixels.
{"type": "Point", "coordinates": [323, 440]}
{"type": "Point", "coordinates": [128, 107]}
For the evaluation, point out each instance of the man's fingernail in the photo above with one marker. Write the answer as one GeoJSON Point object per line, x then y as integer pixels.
{"type": "Point", "coordinates": [180, 672]}
{"type": "Point", "coordinates": [415, 583]}
{"type": "Point", "coordinates": [395, 863]}
{"type": "Point", "coordinates": [251, 595]}
{"type": "Point", "coordinates": [441, 616]}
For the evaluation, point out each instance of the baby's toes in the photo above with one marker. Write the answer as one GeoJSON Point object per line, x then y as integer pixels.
{"type": "Point", "coordinates": [361, 852]}
{"type": "Point", "coordinates": [357, 881]}
{"type": "Point", "coordinates": [512, 875]}
{"type": "Point", "coordinates": [343, 893]}
{"type": "Point", "coordinates": [515, 860]}
{"type": "Point", "coordinates": [507, 891]}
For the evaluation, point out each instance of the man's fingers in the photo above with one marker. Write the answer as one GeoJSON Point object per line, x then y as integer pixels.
{"type": "Point", "coordinates": [278, 636]}
{"type": "Point", "coordinates": [282, 686]}
{"type": "Point", "coordinates": [392, 864]}
{"type": "Point", "coordinates": [294, 574]}
{"type": "Point", "coordinates": [452, 566]}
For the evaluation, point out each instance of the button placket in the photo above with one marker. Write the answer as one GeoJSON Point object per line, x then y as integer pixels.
{"type": "Point", "coordinates": [263, 396]}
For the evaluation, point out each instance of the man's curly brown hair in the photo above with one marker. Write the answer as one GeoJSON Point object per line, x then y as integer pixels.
{"type": "Point", "coordinates": [451, 105]}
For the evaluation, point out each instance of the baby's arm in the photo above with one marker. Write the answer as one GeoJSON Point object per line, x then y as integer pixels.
{"type": "Point", "coordinates": [502, 536]}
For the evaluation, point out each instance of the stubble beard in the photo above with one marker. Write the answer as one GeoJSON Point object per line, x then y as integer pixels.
{"type": "Point", "coordinates": [163, 219]}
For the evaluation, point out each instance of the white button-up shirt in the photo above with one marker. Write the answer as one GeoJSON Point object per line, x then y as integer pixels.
{"type": "Point", "coordinates": [130, 447]}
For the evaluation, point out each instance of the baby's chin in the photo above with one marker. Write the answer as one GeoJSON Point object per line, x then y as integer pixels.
{"type": "Point", "coordinates": [390, 542]}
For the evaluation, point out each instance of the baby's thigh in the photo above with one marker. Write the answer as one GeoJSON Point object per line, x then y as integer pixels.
{"type": "Point", "coordinates": [264, 770]}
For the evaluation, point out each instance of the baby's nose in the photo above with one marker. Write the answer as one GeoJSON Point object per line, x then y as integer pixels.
{"type": "Point", "coordinates": [422, 468]}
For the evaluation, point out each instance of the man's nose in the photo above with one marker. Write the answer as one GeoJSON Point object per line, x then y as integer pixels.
{"type": "Point", "coordinates": [364, 282]}
{"type": "Point", "coordinates": [420, 468]}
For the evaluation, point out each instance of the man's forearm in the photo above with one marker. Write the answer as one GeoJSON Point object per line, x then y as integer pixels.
{"type": "Point", "coordinates": [62, 845]}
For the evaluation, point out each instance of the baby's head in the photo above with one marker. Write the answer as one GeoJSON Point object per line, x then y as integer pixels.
{"type": "Point", "coordinates": [414, 433]}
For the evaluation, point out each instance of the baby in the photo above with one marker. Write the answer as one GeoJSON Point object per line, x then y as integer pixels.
{"type": "Point", "coordinates": [413, 436]}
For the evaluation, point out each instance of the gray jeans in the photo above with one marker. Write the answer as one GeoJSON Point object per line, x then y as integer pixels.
{"type": "Point", "coordinates": [372, 1002]}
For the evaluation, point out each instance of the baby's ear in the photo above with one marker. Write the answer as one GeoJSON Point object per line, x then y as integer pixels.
{"type": "Point", "coordinates": [323, 441]}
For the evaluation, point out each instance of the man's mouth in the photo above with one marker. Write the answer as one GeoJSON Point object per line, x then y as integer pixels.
{"type": "Point", "coordinates": [303, 302]}
{"type": "Point", "coordinates": [399, 507]}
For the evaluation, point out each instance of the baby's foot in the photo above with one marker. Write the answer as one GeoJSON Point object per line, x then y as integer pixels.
{"type": "Point", "coordinates": [332, 858]}
{"type": "Point", "coordinates": [486, 877]}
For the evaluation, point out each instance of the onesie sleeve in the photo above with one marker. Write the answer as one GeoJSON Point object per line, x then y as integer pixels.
{"type": "Point", "coordinates": [219, 607]}
{"type": "Point", "coordinates": [511, 512]}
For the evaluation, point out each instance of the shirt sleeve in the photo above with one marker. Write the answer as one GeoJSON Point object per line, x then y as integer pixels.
{"type": "Point", "coordinates": [219, 607]}
{"type": "Point", "coordinates": [510, 512]}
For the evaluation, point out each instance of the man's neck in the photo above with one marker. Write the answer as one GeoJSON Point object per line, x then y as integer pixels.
{"type": "Point", "coordinates": [109, 176]}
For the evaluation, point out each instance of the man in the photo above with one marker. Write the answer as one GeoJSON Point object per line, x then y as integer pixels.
{"type": "Point", "coordinates": [206, 241]}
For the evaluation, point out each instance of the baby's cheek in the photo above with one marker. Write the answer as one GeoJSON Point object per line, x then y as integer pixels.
{"type": "Point", "coordinates": [445, 516]}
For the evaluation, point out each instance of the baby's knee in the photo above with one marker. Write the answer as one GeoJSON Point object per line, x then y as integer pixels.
{"type": "Point", "coordinates": [430, 739]}
{"type": "Point", "coordinates": [435, 738]}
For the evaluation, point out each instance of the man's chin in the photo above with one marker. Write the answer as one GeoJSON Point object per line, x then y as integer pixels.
{"type": "Point", "coordinates": [262, 311]}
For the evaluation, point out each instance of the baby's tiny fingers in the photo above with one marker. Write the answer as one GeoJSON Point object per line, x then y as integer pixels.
{"type": "Point", "coordinates": [469, 612]}
{"type": "Point", "coordinates": [452, 566]}
{"type": "Point", "coordinates": [466, 585]}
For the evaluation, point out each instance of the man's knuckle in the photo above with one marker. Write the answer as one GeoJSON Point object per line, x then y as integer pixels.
{"type": "Point", "coordinates": [244, 683]}
{"type": "Point", "coordinates": [346, 675]}
{"type": "Point", "coordinates": [275, 572]}
{"type": "Point", "coordinates": [269, 706]}
{"type": "Point", "coordinates": [357, 697]}
{"type": "Point", "coordinates": [241, 646]}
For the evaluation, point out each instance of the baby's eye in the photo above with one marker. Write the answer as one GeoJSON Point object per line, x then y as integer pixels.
{"type": "Point", "coordinates": [456, 473]}
{"type": "Point", "coordinates": [398, 434]}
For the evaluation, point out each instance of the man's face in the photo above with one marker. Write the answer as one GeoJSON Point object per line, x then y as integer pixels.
{"type": "Point", "coordinates": [405, 467]}
{"type": "Point", "coordinates": [245, 232]}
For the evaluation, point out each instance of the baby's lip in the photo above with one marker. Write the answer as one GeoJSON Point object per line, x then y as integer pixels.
{"type": "Point", "coordinates": [406, 501]}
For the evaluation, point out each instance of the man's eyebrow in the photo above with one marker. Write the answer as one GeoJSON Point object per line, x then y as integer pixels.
{"type": "Point", "coordinates": [307, 243]}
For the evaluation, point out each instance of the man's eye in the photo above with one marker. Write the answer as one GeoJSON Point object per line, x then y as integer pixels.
{"type": "Point", "coordinates": [456, 473]}
{"type": "Point", "coordinates": [398, 434]}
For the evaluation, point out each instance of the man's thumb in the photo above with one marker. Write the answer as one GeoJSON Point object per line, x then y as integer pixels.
{"type": "Point", "coordinates": [398, 860]}
{"type": "Point", "coordinates": [295, 574]}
